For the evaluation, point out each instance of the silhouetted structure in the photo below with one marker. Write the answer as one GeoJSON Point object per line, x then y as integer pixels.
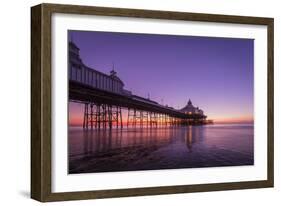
{"type": "Point", "coordinates": [104, 98]}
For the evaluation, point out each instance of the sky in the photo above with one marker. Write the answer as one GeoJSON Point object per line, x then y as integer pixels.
{"type": "Point", "coordinates": [217, 74]}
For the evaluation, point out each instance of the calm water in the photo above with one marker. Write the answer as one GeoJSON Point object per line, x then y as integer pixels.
{"type": "Point", "coordinates": [161, 148]}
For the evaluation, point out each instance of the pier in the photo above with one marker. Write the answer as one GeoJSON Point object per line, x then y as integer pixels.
{"type": "Point", "coordinates": [105, 99]}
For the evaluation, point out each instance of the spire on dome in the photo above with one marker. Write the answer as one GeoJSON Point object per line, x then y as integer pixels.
{"type": "Point", "coordinates": [113, 72]}
{"type": "Point", "coordinates": [189, 102]}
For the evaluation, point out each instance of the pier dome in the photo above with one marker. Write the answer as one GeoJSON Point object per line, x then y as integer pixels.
{"type": "Point", "coordinates": [190, 109]}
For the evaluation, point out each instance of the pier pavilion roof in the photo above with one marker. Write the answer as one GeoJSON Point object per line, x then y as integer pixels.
{"type": "Point", "coordinates": [75, 50]}
{"type": "Point", "coordinates": [190, 109]}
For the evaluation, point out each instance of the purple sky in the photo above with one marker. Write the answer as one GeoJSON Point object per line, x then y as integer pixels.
{"type": "Point", "coordinates": [215, 73]}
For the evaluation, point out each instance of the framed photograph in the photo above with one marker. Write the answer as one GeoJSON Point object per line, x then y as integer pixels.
{"type": "Point", "coordinates": [130, 102]}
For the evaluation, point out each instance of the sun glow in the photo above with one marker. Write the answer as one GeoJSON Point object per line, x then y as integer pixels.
{"type": "Point", "coordinates": [243, 119]}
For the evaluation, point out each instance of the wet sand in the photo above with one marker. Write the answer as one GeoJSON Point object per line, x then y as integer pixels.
{"type": "Point", "coordinates": [161, 148]}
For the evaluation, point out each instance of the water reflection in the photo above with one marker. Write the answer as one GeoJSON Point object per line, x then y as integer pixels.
{"type": "Point", "coordinates": [188, 138]}
{"type": "Point", "coordinates": [159, 148]}
{"type": "Point", "coordinates": [95, 141]}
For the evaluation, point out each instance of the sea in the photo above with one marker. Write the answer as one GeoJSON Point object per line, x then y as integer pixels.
{"type": "Point", "coordinates": [166, 147]}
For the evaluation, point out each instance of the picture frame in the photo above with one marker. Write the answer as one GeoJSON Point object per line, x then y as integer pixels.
{"type": "Point", "coordinates": [41, 101]}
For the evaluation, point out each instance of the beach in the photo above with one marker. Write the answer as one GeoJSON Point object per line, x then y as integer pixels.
{"type": "Point", "coordinates": [133, 149]}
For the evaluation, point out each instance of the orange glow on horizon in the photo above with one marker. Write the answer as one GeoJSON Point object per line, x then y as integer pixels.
{"type": "Point", "coordinates": [245, 119]}
{"type": "Point", "coordinates": [78, 121]}
{"type": "Point", "coordinates": [75, 121]}
{"type": "Point", "coordinates": [76, 116]}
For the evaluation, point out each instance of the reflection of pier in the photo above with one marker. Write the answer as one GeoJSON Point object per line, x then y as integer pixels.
{"type": "Point", "coordinates": [102, 141]}
{"type": "Point", "coordinates": [105, 99]}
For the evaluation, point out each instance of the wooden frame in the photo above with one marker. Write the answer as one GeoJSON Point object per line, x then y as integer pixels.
{"type": "Point", "coordinates": [41, 102]}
